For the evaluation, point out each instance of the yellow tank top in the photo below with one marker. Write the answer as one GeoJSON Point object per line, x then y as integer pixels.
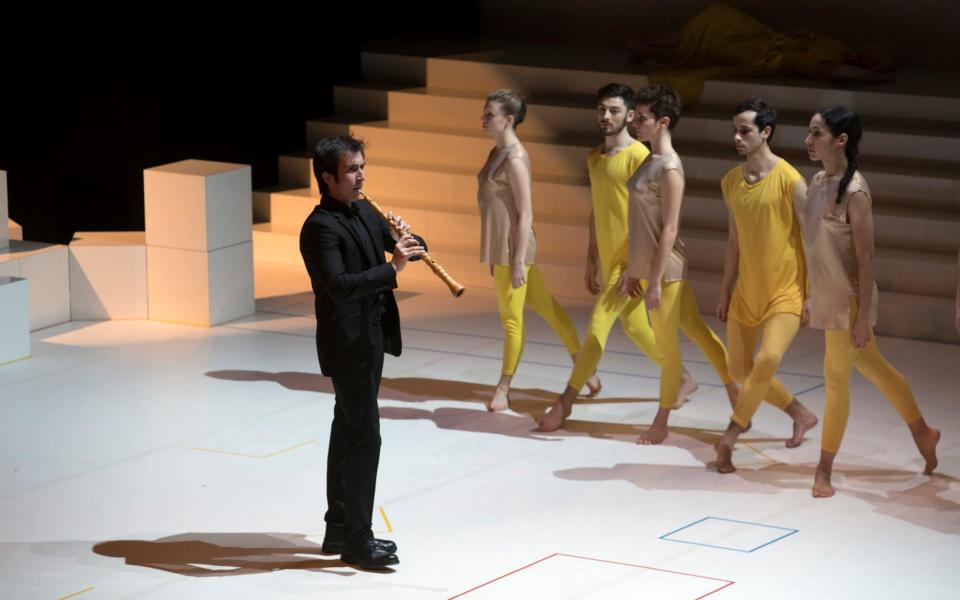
{"type": "Point", "coordinates": [771, 269]}
{"type": "Point", "coordinates": [608, 187]}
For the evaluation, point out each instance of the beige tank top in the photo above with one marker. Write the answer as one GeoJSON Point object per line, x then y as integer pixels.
{"type": "Point", "coordinates": [646, 219]}
{"type": "Point", "coordinates": [831, 254]}
{"type": "Point", "coordinates": [498, 210]}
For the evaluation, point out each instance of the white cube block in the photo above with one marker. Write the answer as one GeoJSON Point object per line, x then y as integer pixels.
{"type": "Point", "coordinates": [197, 205]}
{"type": "Point", "coordinates": [46, 266]}
{"type": "Point", "coordinates": [108, 276]}
{"type": "Point", "coordinates": [4, 212]}
{"type": "Point", "coordinates": [200, 288]}
{"type": "Point", "coordinates": [16, 231]}
{"type": "Point", "coordinates": [14, 319]}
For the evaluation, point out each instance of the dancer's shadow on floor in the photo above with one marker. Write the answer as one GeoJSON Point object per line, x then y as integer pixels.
{"type": "Point", "coordinates": [526, 404]}
{"type": "Point", "coordinates": [922, 504]}
{"type": "Point", "coordinates": [223, 554]}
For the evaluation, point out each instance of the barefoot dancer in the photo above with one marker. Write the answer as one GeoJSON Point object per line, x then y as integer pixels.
{"type": "Point", "coordinates": [507, 241]}
{"type": "Point", "coordinates": [765, 260]}
{"type": "Point", "coordinates": [657, 264]}
{"type": "Point", "coordinates": [838, 238]}
{"type": "Point", "coordinates": [610, 165]}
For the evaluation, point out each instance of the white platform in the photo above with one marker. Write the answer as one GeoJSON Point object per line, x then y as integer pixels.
{"type": "Point", "coordinates": [14, 319]}
{"type": "Point", "coordinates": [47, 268]}
{"type": "Point", "coordinates": [200, 288]}
{"type": "Point", "coordinates": [208, 446]}
{"type": "Point", "coordinates": [108, 276]}
{"type": "Point", "coordinates": [197, 205]}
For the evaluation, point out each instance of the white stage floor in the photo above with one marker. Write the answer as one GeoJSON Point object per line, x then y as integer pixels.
{"type": "Point", "coordinates": [195, 459]}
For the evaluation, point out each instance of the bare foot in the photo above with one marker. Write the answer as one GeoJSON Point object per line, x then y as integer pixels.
{"type": "Point", "coordinates": [594, 386]}
{"type": "Point", "coordinates": [927, 444]}
{"type": "Point", "coordinates": [555, 417]}
{"type": "Point", "coordinates": [500, 400]}
{"type": "Point", "coordinates": [822, 488]}
{"type": "Point", "coordinates": [687, 387]}
{"type": "Point", "coordinates": [657, 432]}
{"type": "Point", "coordinates": [724, 458]}
{"type": "Point", "coordinates": [654, 435]}
{"type": "Point", "coordinates": [803, 421]}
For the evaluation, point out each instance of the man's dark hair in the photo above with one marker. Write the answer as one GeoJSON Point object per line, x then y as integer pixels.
{"type": "Point", "coordinates": [326, 157]}
{"type": "Point", "coordinates": [663, 102]}
{"type": "Point", "coordinates": [766, 114]}
{"type": "Point", "coordinates": [618, 90]}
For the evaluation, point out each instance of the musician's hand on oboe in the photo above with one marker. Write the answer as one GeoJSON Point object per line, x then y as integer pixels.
{"type": "Point", "coordinates": [406, 248]}
{"type": "Point", "coordinates": [398, 223]}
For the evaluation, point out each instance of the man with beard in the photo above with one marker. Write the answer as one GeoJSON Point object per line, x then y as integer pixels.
{"type": "Point", "coordinates": [611, 164]}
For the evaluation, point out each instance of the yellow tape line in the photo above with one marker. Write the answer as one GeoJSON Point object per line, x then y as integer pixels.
{"type": "Point", "coordinates": [772, 460]}
{"type": "Point", "coordinates": [270, 455]}
{"type": "Point", "coordinates": [77, 593]}
{"type": "Point", "coordinates": [383, 513]}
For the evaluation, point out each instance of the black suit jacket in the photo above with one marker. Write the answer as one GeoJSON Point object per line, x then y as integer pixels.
{"type": "Point", "coordinates": [352, 288]}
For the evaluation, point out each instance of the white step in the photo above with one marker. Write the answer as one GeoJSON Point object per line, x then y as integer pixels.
{"type": "Point", "coordinates": [544, 75]}
{"type": "Point", "coordinates": [455, 227]}
{"type": "Point", "coordinates": [549, 115]}
{"type": "Point", "coordinates": [553, 197]}
{"type": "Point", "coordinates": [564, 157]}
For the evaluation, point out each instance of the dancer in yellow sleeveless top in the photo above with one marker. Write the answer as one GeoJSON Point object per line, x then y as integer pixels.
{"type": "Point", "coordinates": [508, 242]}
{"type": "Point", "coordinates": [610, 165]}
{"type": "Point", "coordinates": [657, 263]}
{"type": "Point", "coordinates": [764, 276]}
{"type": "Point", "coordinates": [838, 238]}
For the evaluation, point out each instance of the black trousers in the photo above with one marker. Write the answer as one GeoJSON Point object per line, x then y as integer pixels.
{"type": "Point", "coordinates": [354, 452]}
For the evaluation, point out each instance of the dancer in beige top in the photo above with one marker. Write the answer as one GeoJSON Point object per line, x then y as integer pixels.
{"type": "Point", "coordinates": [507, 240]}
{"type": "Point", "coordinates": [657, 263]}
{"type": "Point", "coordinates": [837, 226]}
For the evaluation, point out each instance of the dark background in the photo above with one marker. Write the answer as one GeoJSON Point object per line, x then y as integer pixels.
{"type": "Point", "coordinates": [92, 95]}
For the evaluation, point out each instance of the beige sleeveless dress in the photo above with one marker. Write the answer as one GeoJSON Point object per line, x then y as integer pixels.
{"type": "Point", "coordinates": [498, 210]}
{"type": "Point", "coordinates": [646, 220]}
{"type": "Point", "coordinates": [831, 254]}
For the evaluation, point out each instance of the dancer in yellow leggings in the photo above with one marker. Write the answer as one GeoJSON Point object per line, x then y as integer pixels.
{"type": "Point", "coordinates": [838, 238]}
{"type": "Point", "coordinates": [765, 260]}
{"type": "Point", "coordinates": [657, 263]}
{"type": "Point", "coordinates": [610, 165]}
{"type": "Point", "coordinates": [507, 240]}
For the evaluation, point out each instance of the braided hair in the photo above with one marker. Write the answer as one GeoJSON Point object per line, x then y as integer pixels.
{"type": "Point", "coordinates": [839, 120]}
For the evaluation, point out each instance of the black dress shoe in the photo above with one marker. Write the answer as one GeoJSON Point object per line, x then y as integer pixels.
{"type": "Point", "coordinates": [369, 555]}
{"type": "Point", "coordinates": [336, 546]}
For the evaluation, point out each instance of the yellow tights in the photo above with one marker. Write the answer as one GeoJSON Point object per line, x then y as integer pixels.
{"type": "Point", "coordinates": [633, 317]}
{"type": "Point", "coordinates": [511, 301]}
{"type": "Point", "coordinates": [756, 373]}
{"type": "Point", "coordinates": [839, 359]}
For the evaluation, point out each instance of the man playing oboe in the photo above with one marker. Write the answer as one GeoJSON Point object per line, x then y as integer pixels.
{"type": "Point", "coordinates": [342, 243]}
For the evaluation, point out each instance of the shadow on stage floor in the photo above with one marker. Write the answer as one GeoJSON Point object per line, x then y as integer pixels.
{"type": "Point", "coordinates": [920, 504]}
{"type": "Point", "coordinates": [527, 405]}
{"type": "Point", "coordinates": [223, 554]}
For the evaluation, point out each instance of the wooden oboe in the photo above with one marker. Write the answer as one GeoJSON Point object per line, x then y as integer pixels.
{"type": "Point", "coordinates": [455, 288]}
